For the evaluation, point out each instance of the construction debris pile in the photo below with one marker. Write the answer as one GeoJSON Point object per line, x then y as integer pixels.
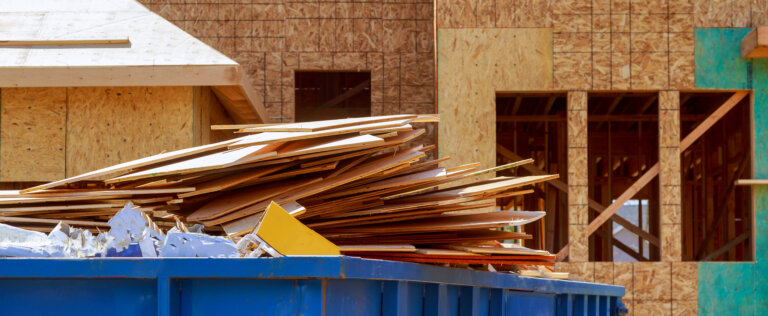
{"type": "Point", "coordinates": [359, 183]}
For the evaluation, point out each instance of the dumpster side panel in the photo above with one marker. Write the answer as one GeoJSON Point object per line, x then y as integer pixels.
{"type": "Point", "coordinates": [71, 296]}
{"type": "Point", "coordinates": [234, 296]}
{"type": "Point", "coordinates": [353, 297]}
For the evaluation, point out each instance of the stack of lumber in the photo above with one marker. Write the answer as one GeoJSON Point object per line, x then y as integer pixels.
{"type": "Point", "coordinates": [359, 182]}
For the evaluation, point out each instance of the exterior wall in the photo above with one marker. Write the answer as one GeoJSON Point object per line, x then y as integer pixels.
{"type": "Point", "coordinates": [393, 39]}
{"type": "Point", "coordinates": [533, 45]}
{"type": "Point", "coordinates": [48, 134]}
{"type": "Point", "coordinates": [737, 288]}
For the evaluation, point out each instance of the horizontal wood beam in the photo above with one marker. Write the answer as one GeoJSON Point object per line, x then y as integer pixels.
{"type": "Point", "coordinates": [755, 43]}
{"type": "Point", "coordinates": [594, 118]}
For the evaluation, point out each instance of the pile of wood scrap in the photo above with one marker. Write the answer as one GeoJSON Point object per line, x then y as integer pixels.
{"type": "Point", "coordinates": [358, 182]}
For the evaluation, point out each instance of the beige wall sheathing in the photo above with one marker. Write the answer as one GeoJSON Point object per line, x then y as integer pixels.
{"type": "Point", "coordinates": [669, 175]}
{"type": "Point", "coordinates": [577, 176]}
{"type": "Point", "coordinates": [32, 134]}
{"type": "Point", "coordinates": [475, 64]}
{"type": "Point", "coordinates": [107, 126]}
{"type": "Point", "coordinates": [271, 40]}
{"type": "Point", "coordinates": [685, 288]}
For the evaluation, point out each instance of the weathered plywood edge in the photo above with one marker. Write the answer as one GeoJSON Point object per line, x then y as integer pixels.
{"type": "Point", "coordinates": [124, 76]}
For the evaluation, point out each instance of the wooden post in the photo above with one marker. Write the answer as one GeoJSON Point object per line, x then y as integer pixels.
{"type": "Point", "coordinates": [654, 170]}
{"type": "Point", "coordinates": [577, 176]}
{"type": "Point", "coordinates": [669, 175]}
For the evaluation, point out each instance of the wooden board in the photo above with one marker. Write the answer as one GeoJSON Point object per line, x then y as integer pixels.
{"type": "Point", "coordinates": [129, 166]}
{"type": "Point", "coordinates": [233, 180]}
{"type": "Point", "coordinates": [329, 124]}
{"type": "Point", "coordinates": [377, 248]}
{"type": "Point", "coordinates": [270, 137]}
{"type": "Point", "coordinates": [503, 59]}
{"type": "Point", "coordinates": [446, 223]}
{"type": "Point", "coordinates": [243, 198]}
{"type": "Point", "coordinates": [755, 44]}
{"type": "Point", "coordinates": [502, 250]}
{"type": "Point", "coordinates": [208, 162]}
{"type": "Point", "coordinates": [133, 122]}
{"type": "Point", "coordinates": [32, 134]}
{"type": "Point", "coordinates": [241, 221]}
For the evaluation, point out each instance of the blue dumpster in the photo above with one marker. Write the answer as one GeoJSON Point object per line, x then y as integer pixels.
{"type": "Point", "coordinates": [285, 286]}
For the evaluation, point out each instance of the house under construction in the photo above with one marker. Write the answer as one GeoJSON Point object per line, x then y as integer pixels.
{"type": "Point", "coordinates": [652, 112]}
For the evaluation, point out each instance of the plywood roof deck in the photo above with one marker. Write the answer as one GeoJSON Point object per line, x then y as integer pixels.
{"type": "Point", "coordinates": [63, 44]}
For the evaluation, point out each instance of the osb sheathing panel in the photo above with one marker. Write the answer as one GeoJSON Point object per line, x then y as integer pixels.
{"type": "Point", "coordinates": [32, 133]}
{"type": "Point", "coordinates": [684, 280]}
{"type": "Point", "coordinates": [652, 307]}
{"type": "Point", "coordinates": [584, 271]}
{"type": "Point", "coordinates": [107, 126]}
{"type": "Point", "coordinates": [652, 281]}
{"type": "Point", "coordinates": [623, 275]}
{"type": "Point", "coordinates": [578, 243]}
{"type": "Point", "coordinates": [671, 242]}
{"type": "Point", "coordinates": [474, 64]}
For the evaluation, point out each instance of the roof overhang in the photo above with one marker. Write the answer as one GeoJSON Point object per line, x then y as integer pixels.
{"type": "Point", "coordinates": [68, 43]}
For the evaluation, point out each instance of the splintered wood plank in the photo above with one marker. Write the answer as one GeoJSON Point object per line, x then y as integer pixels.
{"type": "Point", "coordinates": [432, 238]}
{"type": "Point", "coordinates": [34, 200]}
{"type": "Point", "coordinates": [329, 124]}
{"type": "Point", "coordinates": [8, 219]}
{"type": "Point", "coordinates": [396, 217]}
{"type": "Point", "coordinates": [233, 180]}
{"type": "Point", "coordinates": [243, 198]}
{"type": "Point", "coordinates": [446, 223]}
{"type": "Point", "coordinates": [209, 162]}
{"type": "Point", "coordinates": [59, 207]}
{"type": "Point", "coordinates": [501, 184]}
{"type": "Point", "coordinates": [502, 250]}
{"type": "Point", "coordinates": [290, 174]}
{"type": "Point", "coordinates": [244, 219]}
{"type": "Point", "coordinates": [343, 157]}
{"type": "Point", "coordinates": [403, 128]}
{"type": "Point", "coordinates": [751, 182]}
{"type": "Point", "coordinates": [399, 207]}
{"type": "Point", "coordinates": [271, 137]}
{"type": "Point", "coordinates": [377, 248]}
{"type": "Point", "coordinates": [133, 165]}
{"type": "Point", "coordinates": [419, 177]}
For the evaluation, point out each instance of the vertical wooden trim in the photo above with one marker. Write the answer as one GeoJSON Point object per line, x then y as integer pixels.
{"type": "Point", "coordinates": [201, 107]}
{"type": "Point", "coordinates": [577, 176]}
{"type": "Point", "coordinates": [670, 175]}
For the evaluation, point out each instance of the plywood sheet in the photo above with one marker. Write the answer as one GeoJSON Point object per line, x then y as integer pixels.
{"type": "Point", "coordinates": [474, 64]}
{"type": "Point", "coordinates": [107, 126]}
{"type": "Point", "coordinates": [652, 280]}
{"type": "Point", "coordinates": [684, 280]}
{"type": "Point", "coordinates": [32, 133]}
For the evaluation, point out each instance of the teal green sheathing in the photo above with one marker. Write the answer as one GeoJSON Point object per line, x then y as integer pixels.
{"type": "Point", "coordinates": [737, 288]}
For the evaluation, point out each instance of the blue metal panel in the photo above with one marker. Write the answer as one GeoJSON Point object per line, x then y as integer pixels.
{"type": "Point", "coordinates": [402, 298]}
{"type": "Point", "coordinates": [282, 286]}
{"type": "Point", "coordinates": [233, 296]}
{"type": "Point", "coordinates": [70, 296]}
{"type": "Point", "coordinates": [353, 297]}
{"type": "Point", "coordinates": [530, 304]}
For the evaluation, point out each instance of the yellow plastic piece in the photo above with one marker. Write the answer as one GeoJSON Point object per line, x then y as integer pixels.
{"type": "Point", "coordinates": [290, 237]}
